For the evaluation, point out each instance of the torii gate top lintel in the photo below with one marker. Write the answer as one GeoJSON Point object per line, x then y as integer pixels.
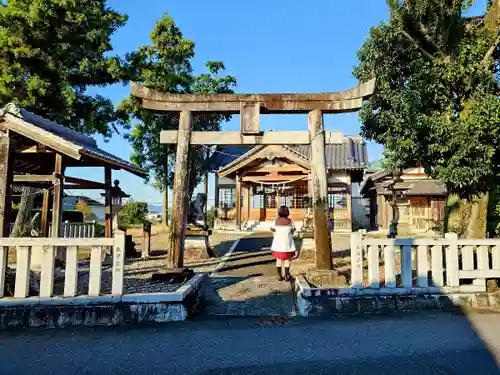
{"type": "Point", "coordinates": [337, 102]}
{"type": "Point", "coordinates": [250, 106]}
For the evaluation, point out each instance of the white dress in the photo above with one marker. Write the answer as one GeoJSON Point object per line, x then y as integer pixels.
{"type": "Point", "coordinates": [283, 238]}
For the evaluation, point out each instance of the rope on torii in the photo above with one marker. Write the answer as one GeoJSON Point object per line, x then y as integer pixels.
{"type": "Point", "coordinates": [262, 183]}
{"type": "Point", "coordinates": [280, 183]}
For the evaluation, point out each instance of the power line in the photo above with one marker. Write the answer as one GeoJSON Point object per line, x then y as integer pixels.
{"type": "Point", "coordinates": [221, 152]}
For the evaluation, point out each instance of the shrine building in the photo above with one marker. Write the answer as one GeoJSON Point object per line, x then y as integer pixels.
{"type": "Point", "coordinates": [253, 182]}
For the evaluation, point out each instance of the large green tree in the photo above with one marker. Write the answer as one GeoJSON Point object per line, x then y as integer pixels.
{"type": "Point", "coordinates": [436, 100]}
{"type": "Point", "coordinates": [165, 65]}
{"type": "Point", "coordinates": [51, 53]}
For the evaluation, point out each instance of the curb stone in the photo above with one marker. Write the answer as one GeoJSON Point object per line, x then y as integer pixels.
{"type": "Point", "coordinates": [345, 301]}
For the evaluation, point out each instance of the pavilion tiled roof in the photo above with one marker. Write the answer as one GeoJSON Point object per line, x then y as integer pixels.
{"type": "Point", "coordinates": [61, 138]}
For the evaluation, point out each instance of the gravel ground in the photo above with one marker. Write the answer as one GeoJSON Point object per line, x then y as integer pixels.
{"type": "Point", "coordinates": [136, 280]}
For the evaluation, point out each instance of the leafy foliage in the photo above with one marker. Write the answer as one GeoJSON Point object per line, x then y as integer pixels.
{"type": "Point", "coordinates": [211, 216]}
{"type": "Point", "coordinates": [165, 65]}
{"type": "Point", "coordinates": [134, 212]}
{"type": "Point", "coordinates": [436, 100]}
{"type": "Point", "coordinates": [52, 51]}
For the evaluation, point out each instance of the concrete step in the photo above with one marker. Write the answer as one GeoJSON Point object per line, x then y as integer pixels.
{"type": "Point", "coordinates": [244, 296]}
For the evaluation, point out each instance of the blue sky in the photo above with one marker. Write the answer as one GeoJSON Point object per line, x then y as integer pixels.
{"type": "Point", "coordinates": [269, 46]}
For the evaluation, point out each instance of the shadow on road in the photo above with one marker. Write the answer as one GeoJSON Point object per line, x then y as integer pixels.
{"type": "Point", "coordinates": [466, 362]}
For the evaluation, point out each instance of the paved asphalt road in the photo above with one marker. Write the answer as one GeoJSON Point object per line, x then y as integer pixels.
{"type": "Point", "coordinates": [435, 343]}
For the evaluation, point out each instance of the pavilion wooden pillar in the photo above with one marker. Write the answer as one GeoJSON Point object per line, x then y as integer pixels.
{"type": "Point", "coordinates": [6, 161]}
{"type": "Point", "coordinates": [45, 213]}
{"type": "Point", "coordinates": [277, 199]}
{"type": "Point", "coordinates": [348, 198]}
{"type": "Point", "coordinates": [238, 202]}
{"type": "Point", "coordinates": [6, 171]}
{"type": "Point", "coordinates": [248, 192]}
{"type": "Point", "coordinates": [181, 192]}
{"type": "Point", "coordinates": [108, 204]}
{"type": "Point", "coordinates": [320, 190]}
{"type": "Point", "coordinates": [57, 208]}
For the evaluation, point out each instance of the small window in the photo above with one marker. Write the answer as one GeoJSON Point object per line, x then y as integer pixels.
{"type": "Point", "coordinates": [337, 197]}
{"type": "Point", "coordinates": [227, 197]}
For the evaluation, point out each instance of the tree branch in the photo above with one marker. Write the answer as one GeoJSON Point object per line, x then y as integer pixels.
{"type": "Point", "coordinates": [489, 53]}
{"type": "Point", "coordinates": [417, 45]}
{"type": "Point", "coordinates": [492, 19]}
{"type": "Point", "coordinates": [425, 34]}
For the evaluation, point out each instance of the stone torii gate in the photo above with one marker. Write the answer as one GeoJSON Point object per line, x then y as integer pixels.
{"type": "Point", "coordinates": [250, 106]}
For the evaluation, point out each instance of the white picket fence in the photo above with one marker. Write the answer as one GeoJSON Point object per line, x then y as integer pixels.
{"type": "Point", "coordinates": [423, 265]}
{"type": "Point", "coordinates": [26, 245]}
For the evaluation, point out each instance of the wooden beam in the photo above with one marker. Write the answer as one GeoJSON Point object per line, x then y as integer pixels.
{"type": "Point", "coordinates": [108, 213]}
{"type": "Point", "coordinates": [34, 178]}
{"type": "Point", "coordinates": [279, 168]}
{"type": "Point", "coordinates": [58, 195]}
{"type": "Point", "coordinates": [320, 191]}
{"type": "Point", "coordinates": [45, 213]}
{"type": "Point", "coordinates": [181, 191]}
{"type": "Point", "coordinates": [6, 164]}
{"type": "Point", "coordinates": [237, 138]}
{"type": "Point", "coordinates": [51, 140]}
{"type": "Point", "coordinates": [81, 187]}
{"type": "Point", "coordinates": [34, 149]}
{"type": "Point", "coordinates": [83, 184]}
{"type": "Point", "coordinates": [337, 102]}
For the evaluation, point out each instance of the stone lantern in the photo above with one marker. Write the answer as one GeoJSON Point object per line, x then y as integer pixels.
{"type": "Point", "coordinates": [396, 193]}
{"type": "Point", "coordinates": [118, 199]}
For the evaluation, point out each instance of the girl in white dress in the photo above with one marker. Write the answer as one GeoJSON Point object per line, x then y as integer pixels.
{"type": "Point", "coordinates": [283, 247]}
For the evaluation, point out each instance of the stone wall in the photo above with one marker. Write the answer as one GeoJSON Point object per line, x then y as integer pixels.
{"type": "Point", "coordinates": [106, 311]}
{"type": "Point", "coordinates": [345, 301]}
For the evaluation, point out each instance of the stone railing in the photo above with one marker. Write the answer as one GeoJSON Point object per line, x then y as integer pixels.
{"type": "Point", "coordinates": [423, 265]}
{"type": "Point", "coordinates": [68, 229]}
{"type": "Point", "coordinates": [24, 247]}
{"type": "Point", "coordinates": [77, 230]}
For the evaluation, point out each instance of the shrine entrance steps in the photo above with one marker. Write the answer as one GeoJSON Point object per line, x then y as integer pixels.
{"type": "Point", "coordinates": [247, 284]}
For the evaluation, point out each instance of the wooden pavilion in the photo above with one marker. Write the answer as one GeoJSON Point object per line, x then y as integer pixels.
{"type": "Point", "coordinates": [36, 152]}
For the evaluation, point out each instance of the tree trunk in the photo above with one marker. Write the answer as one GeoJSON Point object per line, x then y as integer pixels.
{"type": "Point", "coordinates": [477, 222]}
{"type": "Point", "coordinates": [23, 216]}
